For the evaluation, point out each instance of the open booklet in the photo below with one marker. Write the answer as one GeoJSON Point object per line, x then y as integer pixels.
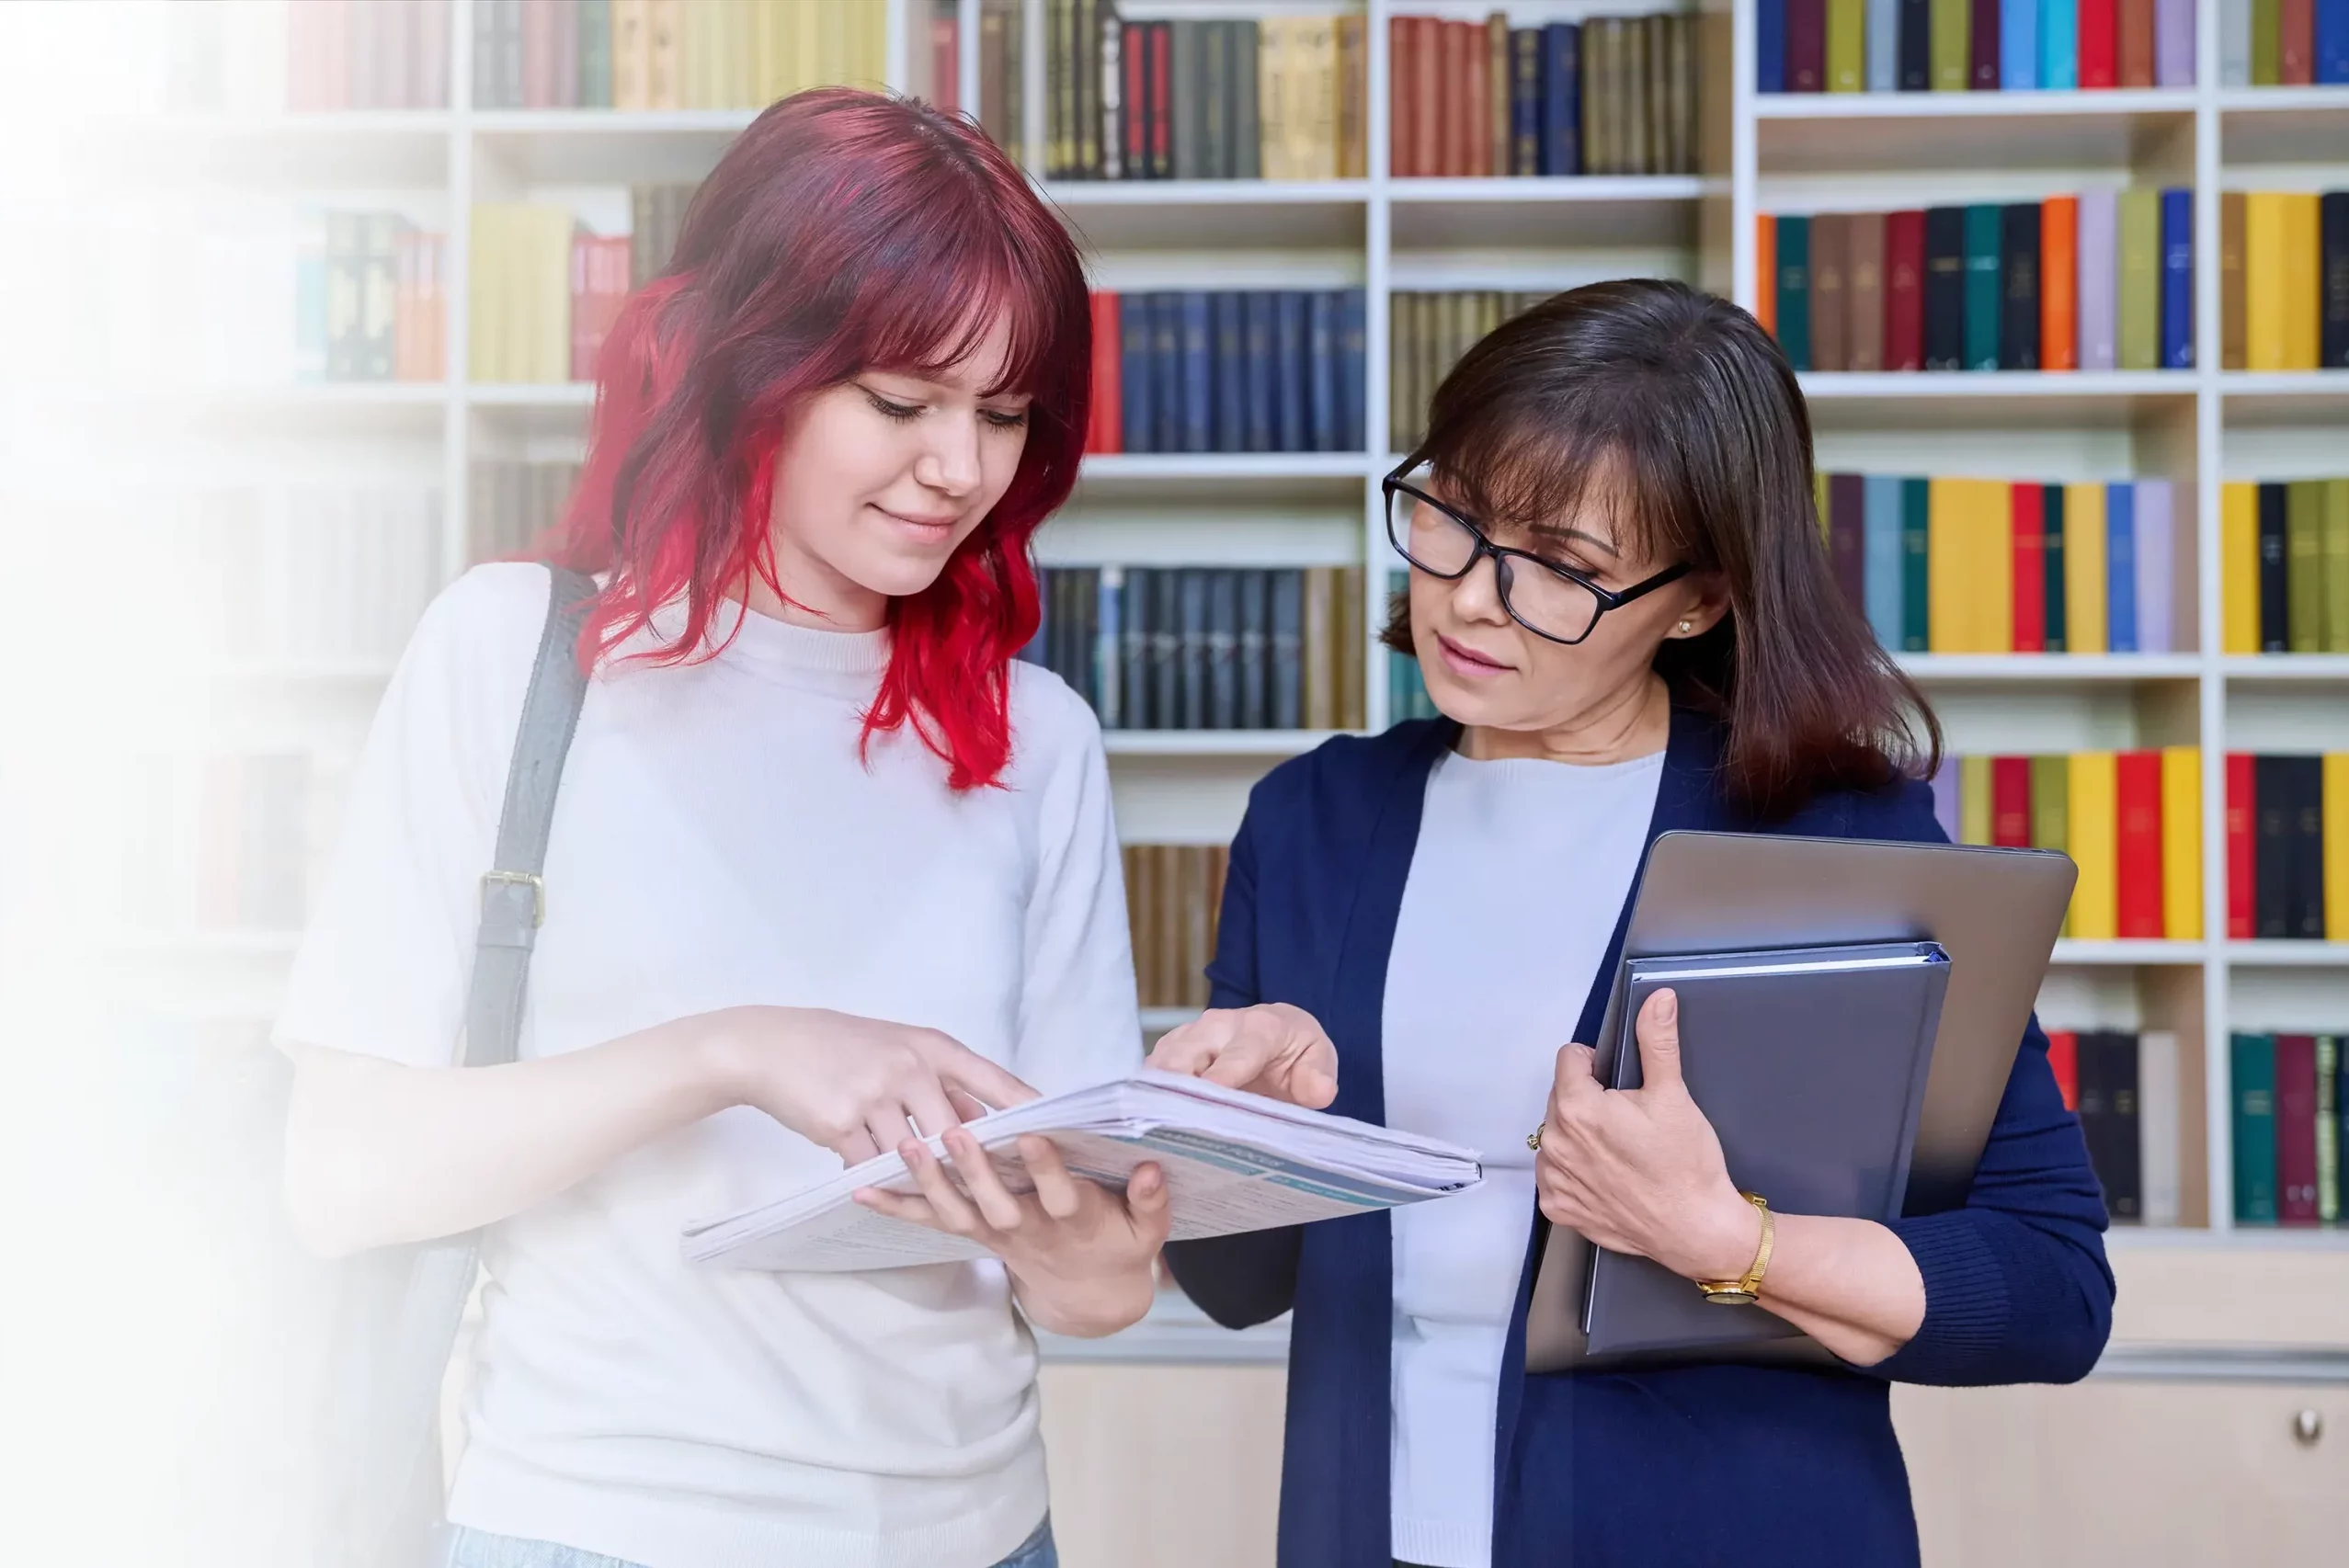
{"type": "Point", "coordinates": [1233, 1161]}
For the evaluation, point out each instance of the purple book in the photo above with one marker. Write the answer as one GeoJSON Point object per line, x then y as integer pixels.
{"type": "Point", "coordinates": [2156, 551]}
{"type": "Point", "coordinates": [2173, 43]}
{"type": "Point", "coordinates": [1945, 795]}
{"type": "Point", "coordinates": [2099, 292]}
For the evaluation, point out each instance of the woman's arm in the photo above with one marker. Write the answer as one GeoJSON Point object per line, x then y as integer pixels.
{"type": "Point", "coordinates": [378, 1153]}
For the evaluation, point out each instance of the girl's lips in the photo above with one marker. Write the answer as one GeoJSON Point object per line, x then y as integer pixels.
{"type": "Point", "coordinates": [927, 527]}
{"type": "Point", "coordinates": [1467, 664]}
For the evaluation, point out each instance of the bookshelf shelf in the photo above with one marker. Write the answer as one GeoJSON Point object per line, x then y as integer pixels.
{"type": "Point", "coordinates": [2286, 397]}
{"type": "Point", "coordinates": [1193, 215]}
{"type": "Point", "coordinates": [1203, 192]}
{"type": "Point", "coordinates": [2284, 101]}
{"type": "Point", "coordinates": [1993, 669]}
{"type": "Point", "coordinates": [399, 148]}
{"type": "Point", "coordinates": [2024, 106]}
{"type": "Point", "coordinates": [2106, 954]}
{"type": "Point", "coordinates": [1212, 743]}
{"type": "Point", "coordinates": [2258, 669]}
{"type": "Point", "coordinates": [2287, 955]}
{"type": "Point", "coordinates": [1196, 476]}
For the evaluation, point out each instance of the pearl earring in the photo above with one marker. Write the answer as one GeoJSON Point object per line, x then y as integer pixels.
{"type": "Point", "coordinates": [1683, 628]}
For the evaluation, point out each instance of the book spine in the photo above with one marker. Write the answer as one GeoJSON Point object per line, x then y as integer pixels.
{"type": "Point", "coordinates": [2059, 283]}
{"type": "Point", "coordinates": [1500, 157]}
{"type": "Point", "coordinates": [2177, 280]}
{"type": "Point", "coordinates": [1194, 650]}
{"type": "Point", "coordinates": [2239, 567]}
{"type": "Point", "coordinates": [2018, 325]}
{"type": "Point", "coordinates": [2098, 244]}
{"type": "Point", "coordinates": [2295, 1127]}
{"type": "Point", "coordinates": [2011, 802]}
{"type": "Point", "coordinates": [2136, 43]}
{"type": "Point", "coordinates": [1904, 302]}
{"type": "Point", "coordinates": [1847, 536]}
{"type": "Point", "coordinates": [2059, 45]}
{"type": "Point", "coordinates": [1846, 46]}
{"type": "Point", "coordinates": [1353, 386]}
{"type": "Point", "coordinates": [2333, 791]}
{"type": "Point", "coordinates": [2332, 238]}
{"type": "Point", "coordinates": [2252, 1063]}
{"type": "Point", "coordinates": [2304, 917]}
{"type": "Point", "coordinates": [1982, 47]}
{"type": "Point", "coordinates": [2274, 580]}
{"type": "Point", "coordinates": [2304, 565]}
{"type": "Point", "coordinates": [1984, 308]}
{"type": "Point", "coordinates": [2182, 843]}
{"type": "Point", "coordinates": [1321, 370]}
{"type": "Point", "coordinates": [1944, 326]}
{"type": "Point", "coordinates": [2019, 45]}
{"type": "Point", "coordinates": [2053, 591]}
{"type": "Point", "coordinates": [2156, 556]}
{"type": "Point", "coordinates": [2120, 568]}
{"type": "Point", "coordinates": [1290, 373]}
{"type": "Point", "coordinates": [1561, 106]}
{"type": "Point", "coordinates": [2063, 1064]}
{"type": "Point", "coordinates": [2336, 565]}
{"type": "Point", "coordinates": [1882, 557]}
{"type": "Point", "coordinates": [1806, 46]}
{"type": "Point", "coordinates": [2173, 43]}
{"type": "Point", "coordinates": [1916, 46]}
{"type": "Point", "coordinates": [2086, 530]}
{"type": "Point", "coordinates": [1882, 30]}
{"type": "Point", "coordinates": [2332, 28]}
{"type": "Point", "coordinates": [1287, 650]}
{"type": "Point", "coordinates": [1108, 128]}
{"type": "Point", "coordinates": [1255, 637]}
{"type": "Point", "coordinates": [2328, 1128]}
{"type": "Point", "coordinates": [2296, 43]}
{"type": "Point", "coordinates": [1916, 514]}
{"type": "Point", "coordinates": [1829, 307]}
{"type": "Point", "coordinates": [1259, 384]}
{"type": "Point", "coordinates": [2242, 874]}
{"type": "Point", "coordinates": [1793, 289]}
{"type": "Point", "coordinates": [2271, 831]}
{"type": "Point", "coordinates": [2095, 823]}
{"type": "Point", "coordinates": [2161, 1126]}
{"type": "Point", "coordinates": [2028, 510]}
{"type": "Point", "coordinates": [1765, 272]}
{"type": "Point", "coordinates": [1225, 310]}
{"type": "Point", "coordinates": [2123, 1169]}
{"type": "Point", "coordinates": [2099, 29]}
{"type": "Point", "coordinates": [2137, 897]}
{"type": "Point", "coordinates": [1196, 371]}
{"type": "Point", "coordinates": [2139, 288]}
{"type": "Point", "coordinates": [1134, 99]}
{"type": "Point", "coordinates": [1223, 649]}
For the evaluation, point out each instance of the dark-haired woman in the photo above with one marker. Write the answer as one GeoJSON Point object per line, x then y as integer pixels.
{"type": "Point", "coordinates": [1621, 601]}
{"type": "Point", "coordinates": [828, 867]}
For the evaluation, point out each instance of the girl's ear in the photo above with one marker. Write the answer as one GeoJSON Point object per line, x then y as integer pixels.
{"type": "Point", "coordinates": [1711, 604]}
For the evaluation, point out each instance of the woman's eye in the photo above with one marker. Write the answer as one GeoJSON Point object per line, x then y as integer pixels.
{"type": "Point", "coordinates": [1005, 419]}
{"type": "Point", "coordinates": [889, 409]}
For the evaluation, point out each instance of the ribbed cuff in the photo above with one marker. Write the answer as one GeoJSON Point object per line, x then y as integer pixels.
{"type": "Point", "coordinates": [1967, 1304]}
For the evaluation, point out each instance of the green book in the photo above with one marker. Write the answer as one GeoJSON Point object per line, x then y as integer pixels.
{"type": "Point", "coordinates": [1953, 42]}
{"type": "Point", "coordinates": [2051, 559]}
{"type": "Point", "coordinates": [2253, 1060]}
{"type": "Point", "coordinates": [1846, 46]}
{"type": "Point", "coordinates": [2328, 1128]}
{"type": "Point", "coordinates": [2050, 803]}
{"type": "Point", "coordinates": [1793, 290]}
{"type": "Point", "coordinates": [2267, 41]}
{"type": "Point", "coordinates": [2304, 565]}
{"type": "Point", "coordinates": [2140, 312]}
{"type": "Point", "coordinates": [595, 54]}
{"type": "Point", "coordinates": [1984, 298]}
{"type": "Point", "coordinates": [2336, 565]}
{"type": "Point", "coordinates": [1916, 584]}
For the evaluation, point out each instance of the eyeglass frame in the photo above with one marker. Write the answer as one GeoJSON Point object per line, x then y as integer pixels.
{"type": "Point", "coordinates": [1607, 599]}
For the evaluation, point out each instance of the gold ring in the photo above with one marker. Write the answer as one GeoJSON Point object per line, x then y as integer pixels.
{"type": "Point", "coordinates": [1533, 1140]}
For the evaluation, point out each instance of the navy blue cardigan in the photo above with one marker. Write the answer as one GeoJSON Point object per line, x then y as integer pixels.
{"type": "Point", "coordinates": [1695, 1465]}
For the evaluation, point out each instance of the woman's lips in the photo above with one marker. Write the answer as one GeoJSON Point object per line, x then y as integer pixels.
{"type": "Point", "coordinates": [1466, 663]}
{"type": "Point", "coordinates": [929, 530]}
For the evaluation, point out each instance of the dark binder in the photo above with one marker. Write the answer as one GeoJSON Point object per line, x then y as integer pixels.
{"type": "Point", "coordinates": [1811, 1064]}
{"type": "Point", "coordinates": [1945, 288]}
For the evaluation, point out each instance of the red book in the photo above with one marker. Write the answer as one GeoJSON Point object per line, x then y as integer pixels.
{"type": "Point", "coordinates": [2242, 810]}
{"type": "Point", "coordinates": [1105, 428]}
{"type": "Point", "coordinates": [1982, 48]}
{"type": "Point", "coordinates": [2011, 802]}
{"type": "Point", "coordinates": [2098, 42]}
{"type": "Point", "coordinates": [2295, 1128]}
{"type": "Point", "coordinates": [538, 53]}
{"type": "Point", "coordinates": [1427, 85]}
{"type": "Point", "coordinates": [1807, 46]}
{"type": "Point", "coordinates": [2137, 800]}
{"type": "Point", "coordinates": [945, 67]}
{"type": "Point", "coordinates": [2030, 569]}
{"type": "Point", "coordinates": [2296, 43]}
{"type": "Point", "coordinates": [1161, 99]}
{"type": "Point", "coordinates": [1402, 135]}
{"type": "Point", "coordinates": [1134, 65]}
{"type": "Point", "coordinates": [2063, 1060]}
{"type": "Point", "coordinates": [1475, 104]}
{"type": "Point", "coordinates": [1452, 95]}
{"type": "Point", "coordinates": [1904, 290]}
{"type": "Point", "coordinates": [600, 267]}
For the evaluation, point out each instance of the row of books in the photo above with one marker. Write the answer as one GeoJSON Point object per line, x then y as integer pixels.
{"type": "Point", "coordinates": [2284, 280]}
{"type": "Point", "coordinates": [2103, 280]}
{"type": "Point", "coordinates": [2131, 822]}
{"type": "Point", "coordinates": [2287, 1105]}
{"type": "Point", "coordinates": [1207, 648]}
{"type": "Point", "coordinates": [1174, 895]}
{"type": "Point", "coordinates": [263, 56]}
{"type": "Point", "coordinates": [1606, 96]}
{"type": "Point", "coordinates": [543, 292]}
{"type": "Point", "coordinates": [669, 54]}
{"type": "Point", "coordinates": [2284, 553]}
{"type": "Point", "coordinates": [1262, 370]}
{"type": "Point", "coordinates": [311, 574]}
{"type": "Point", "coordinates": [2283, 43]}
{"type": "Point", "coordinates": [371, 300]}
{"type": "Point", "coordinates": [1954, 46]}
{"type": "Point", "coordinates": [2128, 1092]}
{"type": "Point", "coordinates": [1427, 331]}
{"type": "Point", "coordinates": [509, 504]}
{"type": "Point", "coordinates": [1957, 565]}
{"type": "Point", "coordinates": [2288, 848]}
{"type": "Point", "coordinates": [1277, 97]}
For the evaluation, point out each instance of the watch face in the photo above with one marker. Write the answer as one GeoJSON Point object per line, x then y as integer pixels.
{"type": "Point", "coordinates": [1731, 1298]}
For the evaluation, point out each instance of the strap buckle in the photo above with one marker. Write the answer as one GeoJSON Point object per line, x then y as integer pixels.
{"type": "Point", "coordinates": [521, 879]}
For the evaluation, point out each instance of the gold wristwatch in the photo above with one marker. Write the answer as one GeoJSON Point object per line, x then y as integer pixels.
{"type": "Point", "coordinates": [1745, 1291]}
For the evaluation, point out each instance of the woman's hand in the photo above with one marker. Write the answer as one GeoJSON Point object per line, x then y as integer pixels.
{"type": "Point", "coordinates": [1271, 1049]}
{"type": "Point", "coordinates": [1081, 1257]}
{"type": "Point", "coordinates": [1640, 1170]}
{"type": "Point", "coordinates": [853, 1085]}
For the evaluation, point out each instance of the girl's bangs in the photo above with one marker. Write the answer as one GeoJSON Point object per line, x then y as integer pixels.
{"type": "Point", "coordinates": [935, 314]}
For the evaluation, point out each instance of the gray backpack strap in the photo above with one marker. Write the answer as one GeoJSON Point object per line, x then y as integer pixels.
{"type": "Point", "coordinates": [513, 895]}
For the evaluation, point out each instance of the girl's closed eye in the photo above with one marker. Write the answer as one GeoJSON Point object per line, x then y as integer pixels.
{"type": "Point", "coordinates": [889, 409]}
{"type": "Point", "coordinates": [1005, 418]}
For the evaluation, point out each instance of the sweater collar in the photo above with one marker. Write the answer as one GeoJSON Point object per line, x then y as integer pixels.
{"type": "Point", "coordinates": [743, 636]}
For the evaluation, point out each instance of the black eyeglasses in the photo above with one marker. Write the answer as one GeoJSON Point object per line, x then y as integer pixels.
{"type": "Point", "coordinates": [1548, 599]}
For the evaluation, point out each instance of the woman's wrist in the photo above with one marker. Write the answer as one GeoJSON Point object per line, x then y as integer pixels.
{"type": "Point", "coordinates": [1090, 1308]}
{"type": "Point", "coordinates": [1720, 1243]}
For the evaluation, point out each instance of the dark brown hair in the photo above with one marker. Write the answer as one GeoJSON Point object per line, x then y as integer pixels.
{"type": "Point", "coordinates": [1683, 410]}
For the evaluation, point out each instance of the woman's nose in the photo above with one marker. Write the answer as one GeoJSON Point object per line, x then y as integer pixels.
{"type": "Point", "coordinates": [952, 462]}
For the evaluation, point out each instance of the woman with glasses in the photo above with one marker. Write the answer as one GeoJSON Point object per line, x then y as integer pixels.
{"type": "Point", "coordinates": [1621, 602]}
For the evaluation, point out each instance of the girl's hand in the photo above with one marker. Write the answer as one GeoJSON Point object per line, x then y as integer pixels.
{"type": "Point", "coordinates": [1082, 1258]}
{"type": "Point", "coordinates": [1271, 1049]}
{"type": "Point", "coordinates": [1640, 1170]}
{"type": "Point", "coordinates": [853, 1085]}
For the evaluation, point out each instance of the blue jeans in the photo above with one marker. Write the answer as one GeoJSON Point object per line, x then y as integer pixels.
{"type": "Point", "coordinates": [472, 1549]}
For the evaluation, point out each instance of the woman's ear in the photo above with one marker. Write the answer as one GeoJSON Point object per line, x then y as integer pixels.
{"type": "Point", "coordinates": [1704, 613]}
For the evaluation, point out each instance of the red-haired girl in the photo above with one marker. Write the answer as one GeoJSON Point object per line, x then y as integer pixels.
{"type": "Point", "coordinates": [826, 867]}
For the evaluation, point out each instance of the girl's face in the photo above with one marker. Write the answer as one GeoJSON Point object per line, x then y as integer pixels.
{"type": "Point", "coordinates": [1482, 668]}
{"type": "Point", "coordinates": [883, 479]}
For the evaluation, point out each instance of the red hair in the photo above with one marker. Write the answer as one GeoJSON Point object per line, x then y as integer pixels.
{"type": "Point", "coordinates": [843, 231]}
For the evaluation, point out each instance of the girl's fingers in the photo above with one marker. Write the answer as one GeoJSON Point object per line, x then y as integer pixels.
{"type": "Point", "coordinates": [898, 1206]}
{"type": "Point", "coordinates": [857, 1147]}
{"type": "Point", "coordinates": [995, 1202]}
{"type": "Point", "coordinates": [953, 1211]}
{"type": "Point", "coordinates": [1148, 1203]}
{"type": "Point", "coordinates": [1055, 1188]}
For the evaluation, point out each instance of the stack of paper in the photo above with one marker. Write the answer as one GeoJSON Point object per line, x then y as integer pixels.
{"type": "Point", "coordinates": [1233, 1161]}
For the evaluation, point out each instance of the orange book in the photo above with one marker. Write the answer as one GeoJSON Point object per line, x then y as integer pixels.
{"type": "Point", "coordinates": [1765, 272]}
{"type": "Point", "coordinates": [2059, 283]}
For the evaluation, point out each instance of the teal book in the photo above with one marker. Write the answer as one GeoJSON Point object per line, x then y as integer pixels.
{"type": "Point", "coordinates": [2059, 44]}
{"type": "Point", "coordinates": [1984, 300]}
{"type": "Point", "coordinates": [2252, 1064]}
{"type": "Point", "coordinates": [1916, 534]}
{"type": "Point", "coordinates": [1881, 562]}
{"type": "Point", "coordinates": [595, 54]}
{"type": "Point", "coordinates": [2051, 559]}
{"type": "Point", "coordinates": [1793, 290]}
{"type": "Point", "coordinates": [2328, 1128]}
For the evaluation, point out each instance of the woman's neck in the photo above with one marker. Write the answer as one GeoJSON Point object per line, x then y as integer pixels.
{"type": "Point", "coordinates": [1632, 722]}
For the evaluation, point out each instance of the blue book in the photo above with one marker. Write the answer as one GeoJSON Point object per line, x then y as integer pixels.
{"type": "Point", "coordinates": [1769, 46]}
{"type": "Point", "coordinates": [1880, 555]}
{"type": "Point", "coordinates": [1197, 374]}
{"type": "Point", "coordinates": [1352, 361]}
{"type": "Point", "coordinates": [1984, 298]}
{"type": "Point", "coordinates": [1257, 324]}
{"type": "Point", "coordinates": [2120, 568]}
{"type": "Point", "coordinates": [2177, 280]}
{"type": "Point", "coordinates": [1228, 409]}
{"type": "Point", "coordinates": [1561, 98]}
{"type": "Point", "coordinates": [1524, 101]}
{"type": "Point", "coordinates": [1135, 383]}
{"type": "Point", "coordinates": [1321, 370]}
{"type": "Point", "coordinates": [1289, 371]}
{"type": "Point", "coordinates": [2018, 43]}
{"type": "Point", "coordinates": [1286, 651]}
{"type": "Point", "coordinates": [1165, 371]}
{"type": "Point", "coordinates": [2333, 61]}
{"type": "Point", "coordinates": [2059, 44]}
{"type": "Point", "coordinates": [1108, 684]}
{"type": "Point", "coordinates": [1883, 43]}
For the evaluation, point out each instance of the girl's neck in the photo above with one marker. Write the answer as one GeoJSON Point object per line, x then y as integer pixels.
{"type": "Point", "coordinates": [1632, 722]}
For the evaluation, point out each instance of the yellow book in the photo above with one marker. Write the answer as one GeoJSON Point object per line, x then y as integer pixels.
{"type": "Point", "coordinates": [2182, 843]}
{"type": "Point", "coordinates": [2263, 280]}
{"type": "Point", "coordinates": [630, 29]}
{"type": "Point", "coordinates": [697, 20]}
{"type": "Point", "coordinates": [2300, 266]}
{"type": "Point", "coordinates": [1271, 97]}
{"type": "Point", "coordinates": [1974, 800]}
{"type": "Point", "coordinates": [1948, 627]}
{"type": "Point", "coordinates": [665, 54]}
{"type": "Point", "coordinates": [2095, 847]}
{"type": "Point", "coordinates": [806, 56]}
{"type": "Point", "coordinates": [2334, 826]}
{"type": "Point", "coordinates": [1994, 567]}
{"type": "Point", "coordinates": [550, 281]}
{"type": "Point", "coordinates": [485, 310]}
{"type": "Point", "coordinates": [873, 44]}
{"type": "Point", "coordinates": [1317, 72]}
{"type": "Point", "coordinates": [2083, 568]}
{"type": "Point", "coordinates": [833, 26]}
{"type": "Point", "coordinates": [2239, 567]}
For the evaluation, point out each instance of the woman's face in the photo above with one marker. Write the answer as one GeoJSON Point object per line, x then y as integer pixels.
{"type": "Point", "coordinates": [1482, 668]}
{"type": "Point", "coordinates": [884, 476]}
